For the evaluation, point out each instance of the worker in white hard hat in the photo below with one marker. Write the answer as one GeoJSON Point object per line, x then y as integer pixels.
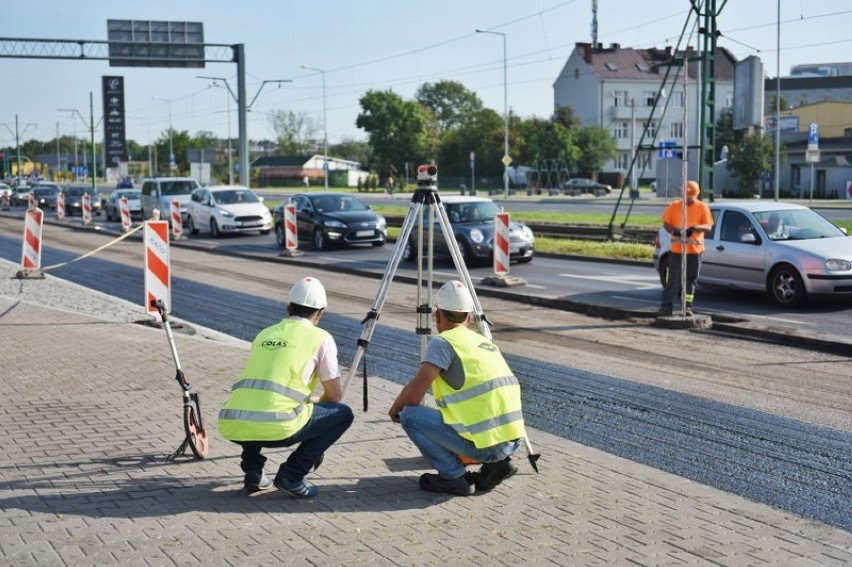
{"type": "Point", "coordinates": [272, 404]}
{"type": "Point", "coordinates": [478, 418]}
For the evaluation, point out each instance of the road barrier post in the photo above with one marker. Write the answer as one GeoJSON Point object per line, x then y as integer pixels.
{"type": "Point", "coordinates": [177, 223]}
{"type": "Point", "coordinates": [87, 209]}
{"type": "Point", "coordinates": [291, 234]}
{"type": "Point", "coordinates": [31, 252]}
{"type": "Point", "coordinates": [502, 257]}
{"type": "Point", "coordinates": [124, 207]}
{"type": "Point", "coordinates": [157, 265]}
{"type": "Point", "coordinates": [60, 206]}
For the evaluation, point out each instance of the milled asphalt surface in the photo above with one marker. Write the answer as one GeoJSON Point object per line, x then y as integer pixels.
{"type": "Point", "coordinates": [91, 410]}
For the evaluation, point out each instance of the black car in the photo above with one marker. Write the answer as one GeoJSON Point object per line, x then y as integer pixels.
{"type": "Point", "coordinates": [472, 221]}
{"type": "Point", "coordinates": [332, 219]}
{"type": "Point", "coordinates": [45, 195]}
{"type": "Point", "coordinates": [74, 199]}
{"type": "Point", "coordinates": [579, 186]}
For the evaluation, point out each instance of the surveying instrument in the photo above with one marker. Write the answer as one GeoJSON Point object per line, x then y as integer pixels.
{"type": "Point", "coordinates": [425, 196]}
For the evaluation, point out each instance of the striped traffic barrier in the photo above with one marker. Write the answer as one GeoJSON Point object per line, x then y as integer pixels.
{"type": "Point", "coordinates": [177, 223]}
{"type": "Point", "coordinates": [87, 209]}
{"type": "Point", "coordinates": [502, 231]}
{"type": "Point", "coordinates": [124, 207]}
{"type": "Point", "coordinates": [501, 244]}
{"type": "Point", "coordinates": [31, 253]}
{"type": "Point", "coordinates": [291, 234]}
{"type": "Point", "coordinates": [4, 201]}
{"type": "Point", "coordinates": [60, 206]}
{"type": "Point", "coordinates": [157, 268]}
{"type": "Point", "coordinates": [31, 202]}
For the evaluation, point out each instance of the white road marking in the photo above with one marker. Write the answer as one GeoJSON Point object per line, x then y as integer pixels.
{"type": "Point", "coordinates": [638, 281]}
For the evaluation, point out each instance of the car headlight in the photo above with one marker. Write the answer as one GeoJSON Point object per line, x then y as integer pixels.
{"type": "Point", "coordinates": [526, 232]}
{"type": "Point", "coordinates": [476, 235]}
{"type": "Point", "coordinates": [225, 213]}
{"type": "Point", "coordinates": [833, 265]}
{"type": "Point", "coordinates": [382, 224]}
{"type": "Point", "coordinates": [334, 224]}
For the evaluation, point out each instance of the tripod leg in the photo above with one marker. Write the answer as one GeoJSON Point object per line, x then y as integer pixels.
{"type": "Point", "coordinates": [381, 296]}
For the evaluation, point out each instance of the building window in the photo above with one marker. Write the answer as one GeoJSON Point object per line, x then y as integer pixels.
{"type": "Point", "coordinates": [729, 100]}
{"type": "Point", "coordinates": [676, 130]}
{"type": "Point", "coordinates": [651, 131]}
{"type": "Point", "coordinates": [677, 99]}
{"type": "Point", "coordinates": [622, 161]}
{"type": "Point", "coordinates": [650, 97]}
{"type": "Point", "coordinates": [619, 130]}
{"type": "Point", "coordinates": [620, 98]}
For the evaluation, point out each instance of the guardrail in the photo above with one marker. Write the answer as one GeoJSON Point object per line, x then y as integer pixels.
{"type": "Point", "coordinates": [641, 235]}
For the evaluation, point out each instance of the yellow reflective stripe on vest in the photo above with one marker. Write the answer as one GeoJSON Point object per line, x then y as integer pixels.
{"type": "Point", "coordinates": [278, 388]}
{"type": "Point", "coordinates": [477, 390]}
{"type": "Point", "coordinates": [255, 415]}
{"type": "Point", "coordinates": [492, 423]}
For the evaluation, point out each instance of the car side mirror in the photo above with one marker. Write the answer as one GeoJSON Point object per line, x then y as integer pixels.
{"type": "Point", "coordinates": [259, 198]}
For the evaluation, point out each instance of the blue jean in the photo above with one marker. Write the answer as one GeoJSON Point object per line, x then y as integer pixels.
{"type": "Point", "coordinates": [328, 422]}
{"type": "Point", "coordinates": [441, 445]}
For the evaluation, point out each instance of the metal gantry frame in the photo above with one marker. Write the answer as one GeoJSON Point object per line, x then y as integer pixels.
{"type": "Point", "coordinates": [98, 50]}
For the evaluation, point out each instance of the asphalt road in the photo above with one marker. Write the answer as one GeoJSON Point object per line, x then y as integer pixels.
{"type": "Point", "coordinates": [778, 458]}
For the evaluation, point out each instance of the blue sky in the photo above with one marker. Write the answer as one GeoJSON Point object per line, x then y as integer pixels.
{"type": "Point", "coordinates": [370, 44]}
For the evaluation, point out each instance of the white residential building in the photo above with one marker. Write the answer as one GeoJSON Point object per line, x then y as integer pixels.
{"type": "Point", "coordinates": [616, 88]}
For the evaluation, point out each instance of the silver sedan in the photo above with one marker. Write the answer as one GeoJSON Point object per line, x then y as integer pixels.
{"type": "Point", "coordinates": [786, 250]}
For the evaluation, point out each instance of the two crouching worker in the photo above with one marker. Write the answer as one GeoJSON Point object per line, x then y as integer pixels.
{"type": "Point", "coordinates": [478, 416]}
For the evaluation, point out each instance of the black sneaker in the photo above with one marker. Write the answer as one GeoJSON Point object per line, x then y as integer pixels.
{"type": "Point", "coordinates": [492, 474]}
{"type": "Point", "coordinates": [664, 312]}
{"type": "Point", "coordinates": [461, 486]}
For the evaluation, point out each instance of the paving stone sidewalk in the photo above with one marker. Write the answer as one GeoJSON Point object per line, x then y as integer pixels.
{"type": "Point", "coordinates": [90, 411]}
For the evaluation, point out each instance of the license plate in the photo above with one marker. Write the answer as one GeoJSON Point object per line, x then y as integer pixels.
{"type": "Point", "coordinates": [363, 233]}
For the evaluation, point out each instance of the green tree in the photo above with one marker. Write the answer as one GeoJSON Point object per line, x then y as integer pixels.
{"type": "Point", "coordinates": [751, 159]}
{"type": "Point", "coordinates": [450, 103]}
{"type": "Point", "coordinates": [483, 134]}
{"type": "Point", "coordinates": [538, 138]}
{"type": "Point", "coordinates": [295, 132]}
{"type": "Point", "coordinates": [352, 149]}
{"type": "Point", "coordinates": [725, 134]}
{"type": "Point", "coordinates": [596, 148]}
{"type": "Point", "coordinates": [397, 129]}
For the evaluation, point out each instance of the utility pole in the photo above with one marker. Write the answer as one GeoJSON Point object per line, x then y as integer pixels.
{"type": "Point", "coordinates": [18, 135]}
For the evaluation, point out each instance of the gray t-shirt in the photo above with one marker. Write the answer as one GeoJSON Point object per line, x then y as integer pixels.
{"type": "Point", "coordinates": [440, 353]}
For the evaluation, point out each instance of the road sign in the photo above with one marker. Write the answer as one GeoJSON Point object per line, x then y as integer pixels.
{"type": "Point", "coordinates": [666, 149]}
{"type": "Point", "coordinates": [813, 136]}
{"type": "Point", "coordinates": [506, 160]}
{"type": "Point", "coordinates": [811, 156]}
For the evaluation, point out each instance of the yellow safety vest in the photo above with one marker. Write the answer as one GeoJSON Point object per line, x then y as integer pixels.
{"type": "Point", "coordinates": [270, 401]}
{"type": "Point", "coordinates": [487, 409]}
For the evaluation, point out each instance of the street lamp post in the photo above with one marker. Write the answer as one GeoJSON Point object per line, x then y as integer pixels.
{"type": "Point", "coordinates": [506, 159]}
{"type": "Point", "coordinates": [91, 125]}
{"type": "Point", "coordinates": [172, 163]}
{"type": "Point", "coordinates": [324, 127]}
{"type": "Point", "coordinates": [18, 135]}
{"type": "Point", "coordinates": [247, 108]}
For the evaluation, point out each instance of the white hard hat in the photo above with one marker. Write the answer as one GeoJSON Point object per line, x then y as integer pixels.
{"type": "Point", "coordinates": [308, 292]}
{"type": "Point", "coordinates": [454, 296]}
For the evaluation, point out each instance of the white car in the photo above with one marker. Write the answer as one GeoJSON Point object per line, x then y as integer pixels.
{"type": "Point", "coordinates": [227, 209]}
{"type": "Point", "coordinates": [786, 250]}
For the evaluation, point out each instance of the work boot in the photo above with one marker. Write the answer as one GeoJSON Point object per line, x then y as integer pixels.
{"type": "Point", "coordinates": [492, 474]}
{"type": "Point", "coordinates": [665, 311]}
{"type": "Point", "coordinates": [688, 311]}
{"type": "Point", "coordinates": [461, 486]}
{"type": "Point", "coordinates": [253, 483]}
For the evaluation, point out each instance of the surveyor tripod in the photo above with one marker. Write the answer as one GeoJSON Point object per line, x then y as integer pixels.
{"type": "Point", "coordinates": [426, 202]}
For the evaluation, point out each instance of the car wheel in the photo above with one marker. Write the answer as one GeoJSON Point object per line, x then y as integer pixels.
{"type": "Point", "coordinates": [190, 226]}
{"type": "Point", "coordinates": [664, 269]}
{"type": "Point", "coordinates": [214, 229]}
{"type": "Point", "coordinates": [466, 256]}
{"type": "Point", "coordinates": [408, 252]}
{"type": "Point", "coordinates": [319, 240]}
{"type": "Point", "coordinates": [280, 235]}
{"type": "Point", "coordinates": [785, 286]}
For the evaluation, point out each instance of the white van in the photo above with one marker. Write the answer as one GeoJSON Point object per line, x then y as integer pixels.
{"type": "Point", "coordinates": [159, 192]}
